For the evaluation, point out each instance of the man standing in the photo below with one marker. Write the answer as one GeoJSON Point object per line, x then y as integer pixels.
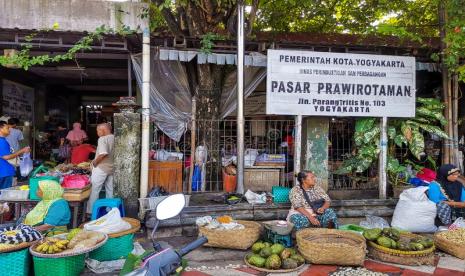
{"type": "Point", "coordinates": [14, 138]}
{"type": "Point", "coordinates": [102, 172]}
{"type": "Point", "coordinates": [7, 171]}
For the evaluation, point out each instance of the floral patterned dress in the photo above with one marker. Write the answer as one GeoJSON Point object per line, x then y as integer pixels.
{"type": "Point", "coordinates": [297, 199]}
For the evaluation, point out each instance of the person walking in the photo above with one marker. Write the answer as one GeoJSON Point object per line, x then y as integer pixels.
{"type": "Point", "coordinates": [7, 171]}
{"type": "Point", "coordinates": [102, 165]}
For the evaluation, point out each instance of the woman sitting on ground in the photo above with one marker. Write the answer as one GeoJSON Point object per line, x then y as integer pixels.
{"type": "Point", "coordinates": [448, 193]}
{"type": "Point", "coordinates": [310, 204]}
{"type": "Point", "coordinates": [52, 214]}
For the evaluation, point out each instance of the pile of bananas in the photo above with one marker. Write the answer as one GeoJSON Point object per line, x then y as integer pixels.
{"type": "Point", "coordinates": [52, 246]}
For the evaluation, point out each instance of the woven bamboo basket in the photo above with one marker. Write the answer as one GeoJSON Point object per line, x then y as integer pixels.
{"type": "Point", "coordinates": [16, 247]}
{"type": "Point", "coordinates": [455, 249]}
{"type": "Point", "coordinates": [233, 239]}
{"type": "Point", "coordinates": [423, 257]}
{"type": "Point", "coordinates": [329, 246]}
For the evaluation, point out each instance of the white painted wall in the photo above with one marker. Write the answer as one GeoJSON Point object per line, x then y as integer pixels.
{"type": "Point", "coordinates": [71, 15]}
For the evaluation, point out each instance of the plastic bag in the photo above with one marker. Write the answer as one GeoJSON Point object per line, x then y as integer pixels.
{"type": "Point", "coordinates": [249, 157]}
{"type": "Point", "coordinates": [458, 223]}
{"type": "Point", "coordinates": [197, 179]}
{"type": "Point", "coordinates": [75, 181]}
{"type": "Point", "coordinates": [202, 221]}
{"type": "Point", "coordinates": [25, 165]}
{"type": "Point", "coordinates": [374, 222]}
{"type": "Point", "coordinates": [415, 212]}
{"type": "Point", "coordinates": [254, 198]}
{"type": "Point", "coordinates": [109, 223]}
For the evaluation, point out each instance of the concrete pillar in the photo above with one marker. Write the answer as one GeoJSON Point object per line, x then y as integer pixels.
{"type": "Point", "coordinates": [127, 130]}
{"type": "Point", "coordinates": [315, 145]}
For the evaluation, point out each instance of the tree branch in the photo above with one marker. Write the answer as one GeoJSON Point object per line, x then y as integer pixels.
{"type": "Point", "coordinates": [170, 18]}
{"type": "Point", "coordinates": [231, 21]}
{"type": "Point", "coordinates": [252, 16]}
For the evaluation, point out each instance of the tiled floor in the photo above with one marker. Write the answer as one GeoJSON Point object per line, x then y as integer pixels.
{"type": "Point", "coordinates": [446, 265]}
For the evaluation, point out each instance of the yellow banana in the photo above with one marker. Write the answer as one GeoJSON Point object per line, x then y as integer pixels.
{"type": "Point", "coordinates": [39, 248]}
{"type": "Point", "coordinates": [60, 246]}
{"type": "Point", "coordinates": [45, 248]}
{"type": "Point", "coordinates": [50, 249]}
{"type": "Point", "coordinates": [63, 242]}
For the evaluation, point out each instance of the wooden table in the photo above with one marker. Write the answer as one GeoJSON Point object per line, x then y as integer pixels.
{"type": "Point", "coordinates": [74, 205]}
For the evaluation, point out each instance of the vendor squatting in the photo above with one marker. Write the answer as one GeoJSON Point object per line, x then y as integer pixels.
{"type": "Point", "coordinates": [342, 88]}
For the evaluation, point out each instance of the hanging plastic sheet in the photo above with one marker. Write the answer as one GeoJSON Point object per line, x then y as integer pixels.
{"type": "Point", "coordinates": [253, 76]}
{"type": "Point", "coordinates": [170, 97]}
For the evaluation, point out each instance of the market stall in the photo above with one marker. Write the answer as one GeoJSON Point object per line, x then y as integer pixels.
{"type": "Point", "coordinates": [75, 179]}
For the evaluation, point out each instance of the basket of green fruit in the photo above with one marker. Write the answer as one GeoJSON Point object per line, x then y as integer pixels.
{"type": "Point", "coordinates": [391, 245]}
{"type": "Point", "coordinates": [274, 258]}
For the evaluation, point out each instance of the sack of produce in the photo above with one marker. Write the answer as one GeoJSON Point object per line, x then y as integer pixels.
{"type": "Point", "coordinates": [415, 212]}
{"type": "Point", "coordinates": [109, 223]}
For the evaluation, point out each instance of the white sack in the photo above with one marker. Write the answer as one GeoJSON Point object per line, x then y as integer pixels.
{"type": "Point", "coordinates": [109, 223]}
{"type": "Point", "coordinates": [415, 212]}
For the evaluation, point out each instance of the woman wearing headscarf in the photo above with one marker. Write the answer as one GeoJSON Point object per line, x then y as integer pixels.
{"type": "Point", "coordinates": [76, 136]}
{"type": "Point", "coordinates": [310, 204]}
{"type": "Point", "coordinates": [448, 194]}
{"type": "Point", "coordinates": [52, 213]}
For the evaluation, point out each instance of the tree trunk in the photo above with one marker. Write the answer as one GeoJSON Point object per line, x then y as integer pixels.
{"type": "Point", "coordinates": [210, 78]}
{"type": "Point", "coordinates": [446, 147]}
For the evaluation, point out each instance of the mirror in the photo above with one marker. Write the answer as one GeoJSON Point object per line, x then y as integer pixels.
{"type": "Point", "coordinates": [170, 206]}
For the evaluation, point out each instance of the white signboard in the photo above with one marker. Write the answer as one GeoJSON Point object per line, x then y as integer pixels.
{"type": "Point", "coordinates": [339, 84]}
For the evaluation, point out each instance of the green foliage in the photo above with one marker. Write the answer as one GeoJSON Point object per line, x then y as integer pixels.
{"type": "Point", "coordinates": [454, 54]}
{"type": "Point", "coordinates": [207, 42]}
{"type": "Point", "coordinates": [401, 132]}
{"type": "Point", "coordinates": [366, 137]}
{"type": "Point", "coordinates": [23, 59]}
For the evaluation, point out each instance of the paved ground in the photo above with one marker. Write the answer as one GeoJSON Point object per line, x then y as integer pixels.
{"type": "Point", "coordinates": [220, 262]}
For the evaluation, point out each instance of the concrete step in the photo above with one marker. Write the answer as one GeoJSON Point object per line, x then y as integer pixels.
{"type": "Point", "coordinates": [348, 211]}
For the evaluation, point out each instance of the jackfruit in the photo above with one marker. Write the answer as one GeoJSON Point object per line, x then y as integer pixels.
{"type": "Point", "coordinates": [285, 254]}
{"type": "Point", "coordinates": [273, 262]}
{"type": "Point", "coordinates": [257, 247]}
{"type": "Point", "coordinates": [277, 248]}
{"type": "Point", "coordinates": [266, 252]}
{"type": "Point", "coordinates": [372, 234]}
{"type": "Point", "coordinates": [257, 261]}
{"type": "Point", "coordinates": [384, 241]}
{"type": "Point", "coordinates": [298, 258]}
{"type": "Point", "coordinates": [289, 264]}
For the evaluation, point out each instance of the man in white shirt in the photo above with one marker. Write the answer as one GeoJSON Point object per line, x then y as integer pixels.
{"type": "Point", "coordinates": [102, 165]}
